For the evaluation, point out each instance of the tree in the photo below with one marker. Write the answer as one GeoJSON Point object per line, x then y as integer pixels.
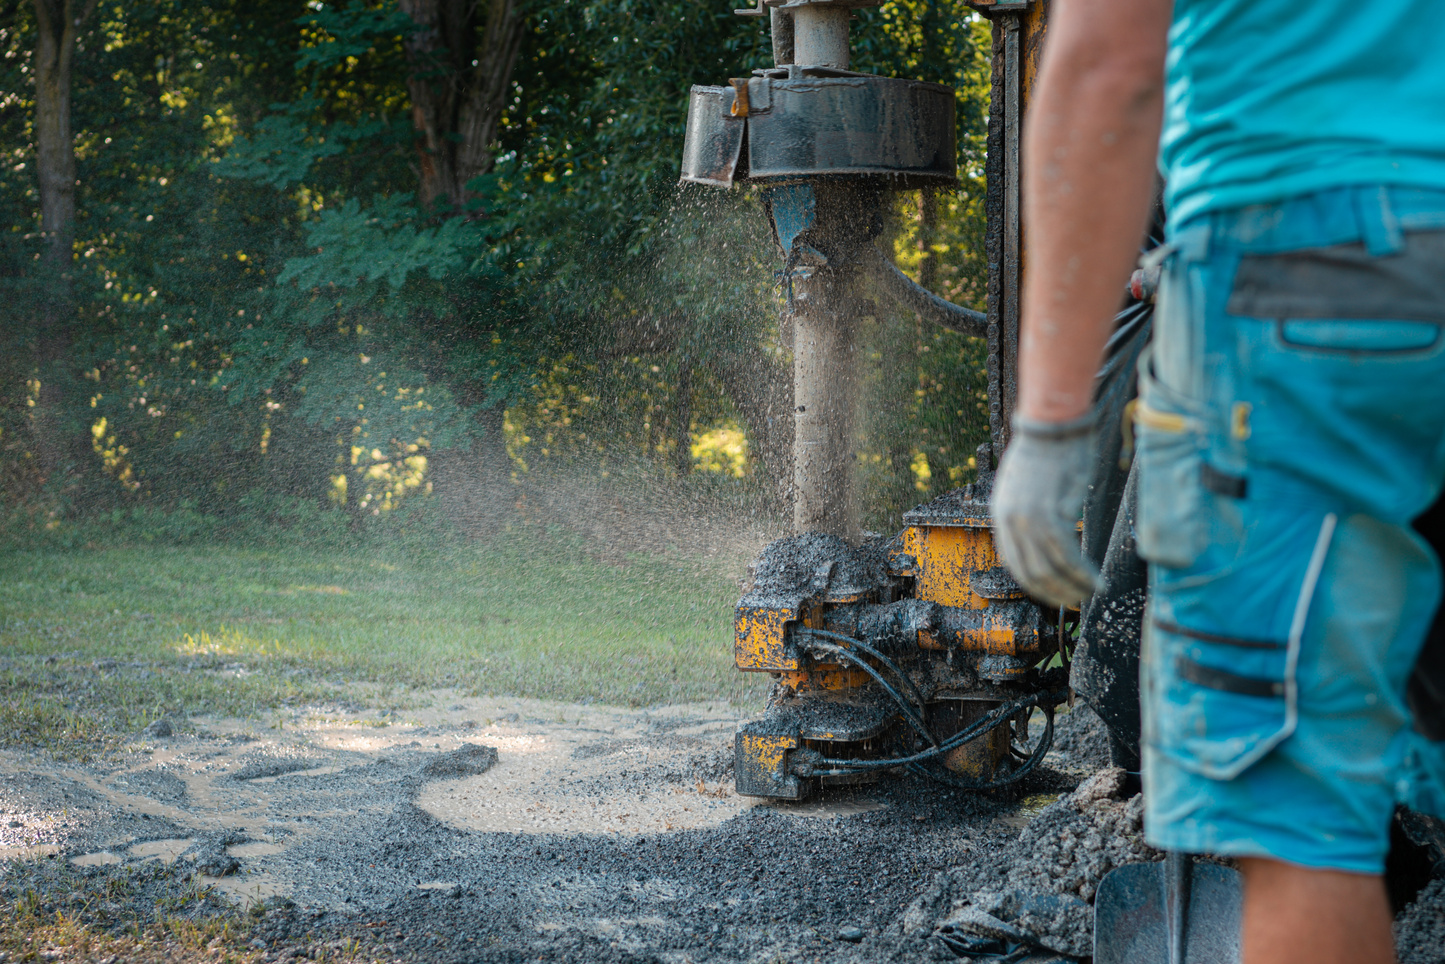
{"type": "Point", "coordinates": [461, 54]}
{"type": "Point", "coordinates": [58, 22]}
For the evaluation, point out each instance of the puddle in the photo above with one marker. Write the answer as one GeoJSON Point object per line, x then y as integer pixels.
{"type": "Point", "coordinates": [825, 809]}
{"type": "Point", "coordinates": [255, 848]}
{"type": "Point", "coordinates": [99, 859]}
{"type": "Point", "coordinates": [166, 851]}
{"type": "Point", "coordinates": [246, 889]}
{"type": "Point", "coordinates": [28, 851]}
{"type": "Point", "coordinates": [437, 885]}
{"type": "Point", "coordinates": [1029, 808]}
{"type": "Point", "coordinates": [646, 781]}
{"type": "Point", "coordinates": [637, 774]}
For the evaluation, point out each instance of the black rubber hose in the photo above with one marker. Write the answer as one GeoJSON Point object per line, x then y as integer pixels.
{"type": "Point", "coordinates": [909, 293]}
{"type": "Point", "coordinates": [871, 651]}
{"type": "Point", "coordinates": [908, 712]}
{"type": "Point", "coordinates": [994, 719]}
{"type": "Point", "coordinates": [1046, 741]}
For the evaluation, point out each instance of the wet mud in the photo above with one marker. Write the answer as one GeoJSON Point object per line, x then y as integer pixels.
{"type": "Point", "coordinates": [510, 830]}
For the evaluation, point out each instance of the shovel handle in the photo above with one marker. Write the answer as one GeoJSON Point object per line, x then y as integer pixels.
{"type": "Point", "coordinates": [1178, 874]}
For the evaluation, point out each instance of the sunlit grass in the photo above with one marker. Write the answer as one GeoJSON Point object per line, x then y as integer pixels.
{"type": "Point", "coordinates": [230, 630]}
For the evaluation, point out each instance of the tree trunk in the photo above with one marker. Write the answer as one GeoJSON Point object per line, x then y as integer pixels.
{"type": "Point", "coordinates": [461, 57]}
{"type": "Point", "coordinates": [57, 22]}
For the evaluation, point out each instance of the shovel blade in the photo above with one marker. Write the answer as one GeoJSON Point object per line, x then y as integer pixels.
{"type": "Point", "coordinates": [1131, 921]}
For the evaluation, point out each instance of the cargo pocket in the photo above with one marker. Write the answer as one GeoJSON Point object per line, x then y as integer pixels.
{"type": "Point", "coordinates": [1220, 703]}
{"type": "Point", "coordinates": [1169, 443]}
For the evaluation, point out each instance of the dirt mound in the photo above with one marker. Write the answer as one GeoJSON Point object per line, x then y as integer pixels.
{"type": "Point", "coordinates": [1420, 928]}
{"type": "Point", "coordinates": [1081, 741]}
{"type": "Point", "coordinates": [467, 760]}
{"type": "Point", "coordinates": [1039, 887]}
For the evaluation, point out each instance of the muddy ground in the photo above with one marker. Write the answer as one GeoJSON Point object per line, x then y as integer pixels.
{"type": "Point", "coordinates": [513, 830]}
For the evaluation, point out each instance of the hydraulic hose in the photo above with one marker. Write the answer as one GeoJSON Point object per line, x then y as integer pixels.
{"type": "Point", "coordinates": [905, 290]}
{"type": "Point", "coordinates": [993, 719]}
{"type": "Point", "coordinates": [868, 649]}
{"type": "Point", "coordinates": [909, 713]}
{"type": "Point", "coordinates": [1046, 741]}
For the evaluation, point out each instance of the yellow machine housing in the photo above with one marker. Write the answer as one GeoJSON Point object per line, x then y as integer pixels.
{"type": "Point", "coordinates": [929, 614]}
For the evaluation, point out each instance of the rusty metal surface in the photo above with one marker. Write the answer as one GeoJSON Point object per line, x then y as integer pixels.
{"type": "Point", "coordinates": [936, 610]}
{"type": "Point", "coordinates": [979, 759]}
{"type": "Point", "coordinates": [821, 124]}
{"type": "Point", "coordinates": [760, 759]}
{"type": "Point", "coordinates": [835, 717]}
{"type": "Point", "coordinates": [714, 142]}
{"type": "Point", "coordinates": [759, 639]}
{"type": "Point", "coordinates": [1018, 36]}
{"type": "Point", "coordinates": [793, 579]}
{"type": "Point", "coordinates": [856, 125]}
{"type": "Point", "coordinates": [765, 749]}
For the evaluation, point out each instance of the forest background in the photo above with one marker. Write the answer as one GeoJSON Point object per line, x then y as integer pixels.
{"type": "Point", "coordinates": [339, 266]}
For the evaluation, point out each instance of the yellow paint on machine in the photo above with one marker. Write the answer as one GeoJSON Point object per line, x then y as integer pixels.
{"type": "Point", "coordinates": [758, 643]}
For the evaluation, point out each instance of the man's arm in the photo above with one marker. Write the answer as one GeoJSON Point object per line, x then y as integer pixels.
{"type": "Point", "coordinates": [1089, 146]}
{"type": "Point", "coordinates": [1090, 141]}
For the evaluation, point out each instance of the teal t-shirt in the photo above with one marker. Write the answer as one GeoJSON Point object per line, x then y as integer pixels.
{"type": "Point", "coordinates": [1270, 99]}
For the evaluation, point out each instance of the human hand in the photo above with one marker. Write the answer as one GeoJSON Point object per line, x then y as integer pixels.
{"type": "Point", "coordinates": [1037, 497]}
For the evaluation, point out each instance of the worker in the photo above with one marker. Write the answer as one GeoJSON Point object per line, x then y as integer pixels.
{"type": "Point", "coordinates": [1290, 425]}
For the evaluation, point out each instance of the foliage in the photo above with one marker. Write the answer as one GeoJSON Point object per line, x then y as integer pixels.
{"type": "Point", "coordinates": [263, 306]}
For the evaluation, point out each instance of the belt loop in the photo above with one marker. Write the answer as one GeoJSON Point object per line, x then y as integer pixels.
{"type": "Point", "coordinates": [1379, 228]}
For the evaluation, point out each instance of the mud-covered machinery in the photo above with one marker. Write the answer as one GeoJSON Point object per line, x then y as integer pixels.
{"type": "Point", "coordinates": [917, 651]}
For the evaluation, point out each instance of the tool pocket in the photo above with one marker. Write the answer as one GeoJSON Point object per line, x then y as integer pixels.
{"type": "Point", "coordinates": [1169, 446]}
{"type": "Point", "coordinates": [1221, 703]}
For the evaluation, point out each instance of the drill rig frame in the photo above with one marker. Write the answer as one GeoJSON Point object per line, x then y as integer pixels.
{"type": "Point", "coordinates": [916, 651]}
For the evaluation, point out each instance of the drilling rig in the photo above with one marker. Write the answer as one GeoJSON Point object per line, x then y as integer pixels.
{"type": "Point", "coordinates": [918, 650]}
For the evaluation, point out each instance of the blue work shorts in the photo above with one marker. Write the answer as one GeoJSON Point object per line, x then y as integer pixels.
{"type": "Point", "coordinates": [1290, 426]}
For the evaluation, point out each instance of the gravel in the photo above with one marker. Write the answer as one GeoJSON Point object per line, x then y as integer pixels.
{"type": "Point", "coordinates": [1039, 886]}
{"type": "Point", "coordinates": [1420, 927]}
{"type": "Point", "coordinates": [324, 834]}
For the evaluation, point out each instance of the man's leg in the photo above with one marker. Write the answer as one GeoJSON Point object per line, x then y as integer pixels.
{"type": "Point", "coordinates": [1300, 914]}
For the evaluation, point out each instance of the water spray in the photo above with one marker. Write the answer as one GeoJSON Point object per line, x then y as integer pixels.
{"type": "Point", "coordinates": [916, 652]}
{"type": "Point", "coordinates": [827, 145]}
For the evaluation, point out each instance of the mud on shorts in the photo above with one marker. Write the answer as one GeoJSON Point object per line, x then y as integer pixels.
{"type": "Point", "coordinates": [1291, 424]}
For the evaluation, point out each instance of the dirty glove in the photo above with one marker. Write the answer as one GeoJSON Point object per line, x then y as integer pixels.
{"type": "Point", "coordinates": [1036, 502]}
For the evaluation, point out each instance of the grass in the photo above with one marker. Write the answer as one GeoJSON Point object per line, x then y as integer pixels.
{"type": "Point", "coordinates": [151, 913]}
{"type": "Point", "coordinates": [236, 631]}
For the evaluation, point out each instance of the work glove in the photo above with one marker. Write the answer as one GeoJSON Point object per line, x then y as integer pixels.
{"type": "Point", "coordinates": [1037, 498]}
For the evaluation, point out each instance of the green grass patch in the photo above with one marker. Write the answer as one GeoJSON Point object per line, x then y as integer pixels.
{"type": "Point", "coordinates": [235, 631]}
